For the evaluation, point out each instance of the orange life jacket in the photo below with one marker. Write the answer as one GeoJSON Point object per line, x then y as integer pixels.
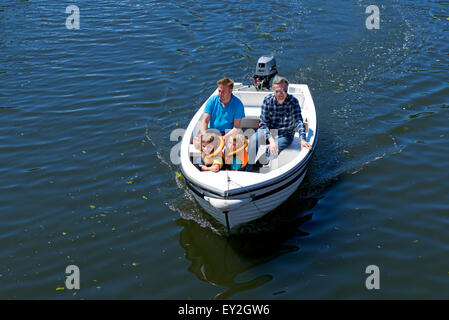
{"type": "Point", "coordinates": [208, 159]}
{"type": "Point", "coordinates": [240, 154]}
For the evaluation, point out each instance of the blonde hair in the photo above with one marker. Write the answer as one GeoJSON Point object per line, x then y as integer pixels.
{"type": "Point", "coordinates": [210, 136]}
{"type": "Point", "coordinates": [226, 82]}
{"type": "Point", "coordinates": [239, 139]}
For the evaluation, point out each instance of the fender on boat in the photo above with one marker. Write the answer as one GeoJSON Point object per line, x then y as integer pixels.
{"type": "Point", "coordinates": [225, 205]}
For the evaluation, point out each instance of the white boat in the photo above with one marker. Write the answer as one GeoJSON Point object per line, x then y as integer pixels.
{"type": "Point", "coordinates": [237, 197]}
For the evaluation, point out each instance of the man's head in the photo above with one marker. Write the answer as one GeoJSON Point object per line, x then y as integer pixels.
{"type": "Point", "coordinates": [280, 88]}
{"type": "Point", "coordinates": [225, 87]}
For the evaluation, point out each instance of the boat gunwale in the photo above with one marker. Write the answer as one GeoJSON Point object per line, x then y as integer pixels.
{"type": "Point", "coordinates": [252, 188]}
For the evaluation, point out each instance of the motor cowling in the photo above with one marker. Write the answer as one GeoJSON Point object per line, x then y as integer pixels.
{"type": "Point", "coordinates": [265, 71]}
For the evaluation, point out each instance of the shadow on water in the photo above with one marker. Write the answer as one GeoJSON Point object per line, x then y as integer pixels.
{"type": "Point", "coordinates": [220, 260]}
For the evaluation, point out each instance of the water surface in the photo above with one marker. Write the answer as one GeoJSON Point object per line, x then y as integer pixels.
{"type": "Point", "coordinates": [86, 117]}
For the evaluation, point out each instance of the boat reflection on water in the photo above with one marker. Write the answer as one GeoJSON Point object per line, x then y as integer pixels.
{"type": "Point", "coordinates": [219, 260]}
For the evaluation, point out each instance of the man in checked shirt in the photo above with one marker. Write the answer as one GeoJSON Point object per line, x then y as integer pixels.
{"type": "Point", "coordinates": [280, 111]}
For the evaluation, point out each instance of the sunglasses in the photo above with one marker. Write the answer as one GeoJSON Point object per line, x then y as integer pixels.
{"type": "Point", "coordinates": [281, 91]}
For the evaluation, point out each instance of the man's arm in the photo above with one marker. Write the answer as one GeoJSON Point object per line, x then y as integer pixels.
{"type": "Point", "coordinates": [264, 125]}
{"type": "Point", "coordinates": [238, 116]}
{"type": "Point", "coordinates": [298, 118]}
{"type": "Point", "coordinates": [236, 128]}
{"type": "Point", "coordinates": [264, 118]}
{"type": "Point", "coordinates": [301, 129]}
{"type": "Point", "coordinates": [203, 127]}
{"type": "Point", "coordinates": [204, 122]}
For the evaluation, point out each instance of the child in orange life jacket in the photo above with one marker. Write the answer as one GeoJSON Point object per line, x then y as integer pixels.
{"type": "Point", "coordinates": [236, 155]}
{"type": "Point", "coordinates": [211, 151]}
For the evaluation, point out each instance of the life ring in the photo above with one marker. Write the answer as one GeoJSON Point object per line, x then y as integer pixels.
{"type": "Point", "coordinates": [239, 149]}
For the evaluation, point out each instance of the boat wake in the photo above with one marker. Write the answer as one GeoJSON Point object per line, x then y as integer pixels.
{"type": "Point", "coordinates": [156, 148]}
{"type": "Point", "coordinates": [324, 172]}
{"type": "Point", "coordinates": [394, 149]}
{"type": "Point", "coordinates": [185, 206]}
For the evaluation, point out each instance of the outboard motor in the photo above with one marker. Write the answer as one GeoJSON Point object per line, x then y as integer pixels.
{"type": "Point", "coordinates": [265, 71]}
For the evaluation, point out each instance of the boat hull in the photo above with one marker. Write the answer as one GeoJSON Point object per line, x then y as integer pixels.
{"type": "Point", "coordinates": [250, 210]}
{"type": "Point", "coordinates": [251, 206]}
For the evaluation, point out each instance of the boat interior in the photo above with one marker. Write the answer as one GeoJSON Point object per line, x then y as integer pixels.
{"type": "Point", "coordinates": [252, 100]}
{"type": "Point", "coordinates": [249, 126]}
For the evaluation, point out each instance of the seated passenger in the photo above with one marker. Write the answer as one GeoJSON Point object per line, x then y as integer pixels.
{"type": "Point", "coordinates": [211, 151]}
{"type": "Point", "coordinates": [223, 111]}
{"type": "Point", "coordinates": [281, 112]}
{"type": "Point", "coordinates": [236, 155]}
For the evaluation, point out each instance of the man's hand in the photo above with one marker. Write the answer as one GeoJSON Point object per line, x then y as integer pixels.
{"type": "Point", "coordinates": [273, 148]}
{"type": "Point", "coordinates": [305, 144]}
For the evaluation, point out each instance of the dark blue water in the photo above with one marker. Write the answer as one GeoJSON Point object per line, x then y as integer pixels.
{"type": "Point", "coordinates": [86, 176]}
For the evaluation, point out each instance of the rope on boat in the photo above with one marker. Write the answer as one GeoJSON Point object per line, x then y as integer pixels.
{"type": "Point", "coordinates": [247, 191]}
{"type": "Point", "coordinates": [228, 180]}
